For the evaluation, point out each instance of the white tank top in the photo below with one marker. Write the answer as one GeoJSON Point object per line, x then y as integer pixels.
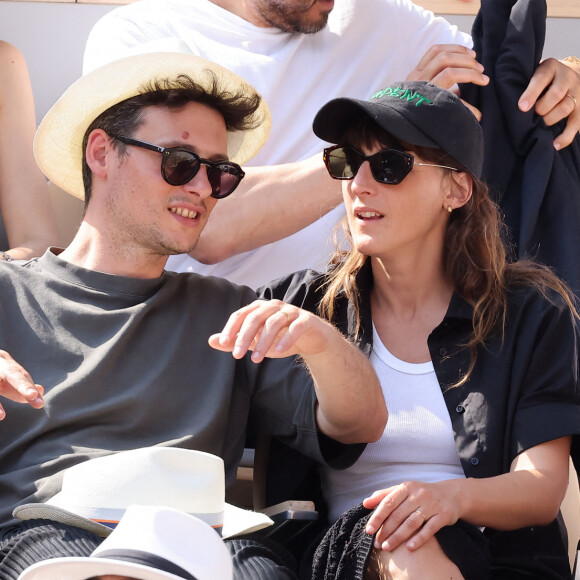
{"type": "Point", "coordinates": [417, 443]}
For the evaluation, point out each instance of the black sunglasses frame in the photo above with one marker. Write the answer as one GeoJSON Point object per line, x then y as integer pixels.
{"type": "Point", "coordinates": [408, 164]}
{"type": "Point", "coordinates": [166, 152]}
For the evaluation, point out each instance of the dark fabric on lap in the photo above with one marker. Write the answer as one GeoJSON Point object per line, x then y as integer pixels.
{"type": "Point", "coordinates": [466, 546]}
{"type": "Point", "coordinates": [261, 559]}
{"type": "Point", "coordinates": [344, 551]}
{"type": "Point", "coordinates": [33, 541]}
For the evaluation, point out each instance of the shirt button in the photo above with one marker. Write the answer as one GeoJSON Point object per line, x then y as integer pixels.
{"type": "Point", "coordinates": [443, 351]}
{"type": "Point", "coordinates": [474, 461]}
{"type": "Point", "coordinates": [460, 409]}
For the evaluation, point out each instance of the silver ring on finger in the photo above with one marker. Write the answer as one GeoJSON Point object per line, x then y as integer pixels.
{"type": "Point", "coordinates": [422, 515]}
{"type": "Point", "coordinates": [573, 99]}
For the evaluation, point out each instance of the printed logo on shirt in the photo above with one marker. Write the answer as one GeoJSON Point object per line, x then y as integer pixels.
{"type": "Point", "coordinates": [404, 94]}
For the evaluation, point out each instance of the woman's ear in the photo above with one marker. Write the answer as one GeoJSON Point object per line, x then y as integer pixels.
{"type": "Point", "coordinates": [98, 146]}
{"type": "Point", "coordinates": [460, 189]}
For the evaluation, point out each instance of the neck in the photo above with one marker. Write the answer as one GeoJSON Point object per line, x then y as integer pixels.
{"type": "Point", "coordinates": [404, 290]}
{"type": "Point", "coordinates": [93, 251]}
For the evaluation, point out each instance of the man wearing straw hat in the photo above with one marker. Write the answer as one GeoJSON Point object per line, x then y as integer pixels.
{"type": "Point", "coordinates": [104, 351]}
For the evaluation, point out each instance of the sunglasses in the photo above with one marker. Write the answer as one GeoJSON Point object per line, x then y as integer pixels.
{"type": "Point", "coordinates": [178, 166]}
{"type": "Point", "coordinates": [389, 166]}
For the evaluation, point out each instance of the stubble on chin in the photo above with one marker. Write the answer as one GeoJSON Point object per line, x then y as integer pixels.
{"type": "Point", "coordinates": [293, 19]}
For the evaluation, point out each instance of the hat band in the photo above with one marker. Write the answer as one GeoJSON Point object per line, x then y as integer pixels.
{"type": "Point", "coordinates": [146, 559]}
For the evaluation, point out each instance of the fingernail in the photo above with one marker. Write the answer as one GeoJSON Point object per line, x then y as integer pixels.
{"type": "Point", "coordinates": [370, 530]}
{"type": "Point", "coordinates": [524, 105]}
{"type": "Point", "coordinates": [30, 392]}
{"type": "Point", "coordinates": [557, 146]}
{"type": "Point", "coordinates": [237, 351]}
{"type": "Point", "coordinates": [256, 356]}
{"type": "Point", "coordinates": [386, 546]}
{"type": "Point", "coordinates": [411, 545]}
{"type": "Point", "coordinates": [222, 339]}
{"type": "Point", "coordinates": [377, 545]}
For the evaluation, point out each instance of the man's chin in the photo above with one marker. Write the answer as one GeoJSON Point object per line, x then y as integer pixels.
{"type": "Point", "coordinates": [313, 26]}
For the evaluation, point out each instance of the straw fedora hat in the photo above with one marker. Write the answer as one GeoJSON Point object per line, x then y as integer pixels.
{"type": "Point", "coordinates": [150, 543]}
{"type": "Point", "coordinates": [96, 493]}
{"type": "Point", "coordinates": [58, 140]}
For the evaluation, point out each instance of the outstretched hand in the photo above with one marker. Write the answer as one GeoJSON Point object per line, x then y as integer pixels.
{"type": "Point", "coordinates": [273, 329]}
{"type": "Point", "coordinates": [17, 385]}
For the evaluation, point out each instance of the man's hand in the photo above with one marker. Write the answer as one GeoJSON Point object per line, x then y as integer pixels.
{"type": "Point", "coordinates": [554, 91]}
{"type": "Point", "coordinates": [274, 329]}
{"type": "Point", "coordinates": [17, 385]}
{"type": "Point", "coordinates": [447, 65]}
{"type": "Point", "coordinates": [351, 407]}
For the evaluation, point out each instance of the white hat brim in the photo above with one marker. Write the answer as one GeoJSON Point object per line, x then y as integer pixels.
{"type": "Point", "coordinates": [236, 520]}
{"type": "Point", "coordinates": [82, 568]}
{"type": "Point", "coordinates": [58, 141]}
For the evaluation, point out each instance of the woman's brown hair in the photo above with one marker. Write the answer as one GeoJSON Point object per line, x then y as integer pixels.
{"type": "Point", "coordinates": [475, 256]}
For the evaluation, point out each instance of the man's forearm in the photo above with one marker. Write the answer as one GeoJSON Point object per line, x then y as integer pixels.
{"type": "Point", "coordinates": [271, 203]}
{"type": "Point", "coordinates": [351, 407]}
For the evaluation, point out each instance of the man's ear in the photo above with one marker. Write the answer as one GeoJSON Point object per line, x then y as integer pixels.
{"type": "Point", "coordinates": [98, 146]}
{"type": "Point", "coordinates": [460, 189]}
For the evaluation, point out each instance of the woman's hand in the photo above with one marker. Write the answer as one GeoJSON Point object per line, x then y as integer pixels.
{"type": "Point", "coordinates": [411, 511]}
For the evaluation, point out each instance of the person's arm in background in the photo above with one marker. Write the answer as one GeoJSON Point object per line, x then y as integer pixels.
{"type": "Point", "coordinates": [24, 197]}
{"type": "Point", "coordinates": [276, 201]}
{"type": "Point", "coordinates": [272, 202]}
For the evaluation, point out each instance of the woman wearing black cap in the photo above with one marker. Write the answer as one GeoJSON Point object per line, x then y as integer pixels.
{"type": "Point", "coordinates": [476, 356]}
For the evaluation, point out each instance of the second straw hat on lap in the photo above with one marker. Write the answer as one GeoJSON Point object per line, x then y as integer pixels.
{"type": "Point", "coordinates": [96, 493]}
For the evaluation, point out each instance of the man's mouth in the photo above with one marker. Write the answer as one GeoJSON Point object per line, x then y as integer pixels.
{"type": "Point", "coordinates": [187, 213]}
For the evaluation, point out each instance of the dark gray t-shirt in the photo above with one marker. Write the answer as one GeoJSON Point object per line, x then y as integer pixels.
{"type": "Point", "coordinates": [126, 364]}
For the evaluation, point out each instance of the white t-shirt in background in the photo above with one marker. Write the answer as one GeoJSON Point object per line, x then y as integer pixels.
{"type": "Point", "coordinates": [366, 45]}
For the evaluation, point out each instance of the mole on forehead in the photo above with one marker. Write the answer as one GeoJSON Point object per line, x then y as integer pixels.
{"type": "Point", "coordinates": [185, 135]}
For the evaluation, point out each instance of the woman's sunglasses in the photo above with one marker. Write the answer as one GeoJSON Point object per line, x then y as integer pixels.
{"type": "Point", "coordinates": [389, 166]}
{"type": "Point", "coordinates": [178, 166]}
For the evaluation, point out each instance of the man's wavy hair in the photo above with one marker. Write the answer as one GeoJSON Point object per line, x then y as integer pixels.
{"type": "Point", "coordinates": [125, 117]}
{"type": "Point", "coordinates": [475, 256]}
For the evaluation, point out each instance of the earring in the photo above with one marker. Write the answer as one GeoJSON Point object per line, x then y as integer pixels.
{"type": "Point", "coordinates": [449, 209]}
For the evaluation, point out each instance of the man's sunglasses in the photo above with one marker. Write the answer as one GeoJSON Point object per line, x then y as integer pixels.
{"type": "Point", "coordinates": [389, 166]}
{"type": "Point", "coordinates": [178, 166]}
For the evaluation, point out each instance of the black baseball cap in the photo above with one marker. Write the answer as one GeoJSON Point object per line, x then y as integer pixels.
{"type": "Point", "coordinates": [417, 112]}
